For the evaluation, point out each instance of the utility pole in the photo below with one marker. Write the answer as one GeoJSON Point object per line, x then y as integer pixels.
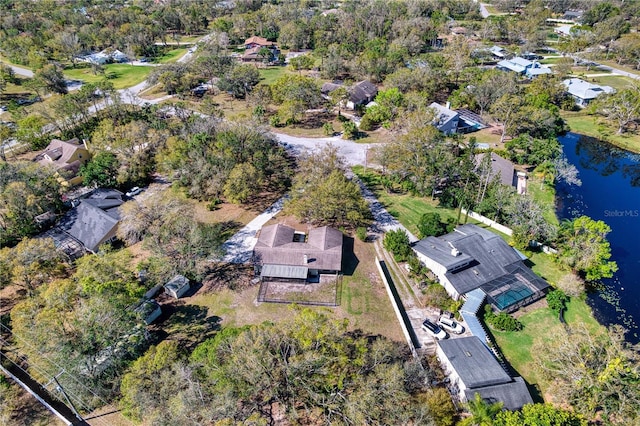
{"type": "Point", "coordinates": [59, 388]}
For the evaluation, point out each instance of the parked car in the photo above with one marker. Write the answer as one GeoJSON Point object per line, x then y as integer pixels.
{"type": "Point", "coordinates": [434, 330]}
{"type": "Point", "coordinates": [451, 325]}
{"type": "Point", "coordinates": [134, 191]}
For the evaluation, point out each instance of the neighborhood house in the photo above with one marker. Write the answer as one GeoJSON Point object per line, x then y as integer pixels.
{"type": "Point", "coordinates": [505, 171]}
{"type": "Point", "coordinates": [450, 121]}
{"type": "Point", "coordinates": [584, 92]}
{"type": "Point", "coordinates": [471, 257]}
{"type": "Point", "coordinates": [360, 93]}
{"type": "Point", "coordinates": [89, 224]}
{"type": "Point", "coordinates": [254, 50]}
{"type": "Point", "coordinates": [282, 254]}
{"type": "Point", "coordinates": [472, 369]}
{"type": "Point", "coordinates": [523, 66]}
{"type": "Point", "coordinates": [66, 157]}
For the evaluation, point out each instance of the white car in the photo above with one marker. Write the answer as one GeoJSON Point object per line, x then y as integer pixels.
{"type": "Point", "coordinates": [451, 325]}
{"type": "Point", "coordinates": [134, 191]}
{"type": "Point", "coordinates": [434, 330]}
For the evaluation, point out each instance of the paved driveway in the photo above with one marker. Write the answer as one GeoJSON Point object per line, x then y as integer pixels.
{"type": "Point", "coordinates": [238, 249]}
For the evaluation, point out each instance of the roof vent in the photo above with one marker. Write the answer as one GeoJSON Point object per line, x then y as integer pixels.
{"type": "Point", "coordinates": [454, 251]}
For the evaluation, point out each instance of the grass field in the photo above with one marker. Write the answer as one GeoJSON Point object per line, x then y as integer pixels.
{"type": "Point", "coordinates": [618, 82]}
{"type": "Point", "coordinates": [538, 324]}
{"type": "Point", "coordinates": [271, 74]}
{"type": "Point", "coordinates": [170, 56]}
{"type": "Point", "coordinates": [598, 127]}
{"type": "Point", "coordinates": [545, 195]}
{"type": "Point", "coordinates": [121, 75]}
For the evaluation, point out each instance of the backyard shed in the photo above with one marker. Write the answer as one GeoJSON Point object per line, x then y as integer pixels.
{"type": "Point", "coordinates": [149, 311]}
{"type": "Point", "coordinates": [178, 286]}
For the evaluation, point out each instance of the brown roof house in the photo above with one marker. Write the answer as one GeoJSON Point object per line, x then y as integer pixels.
{"type": "Point", "coordinates": [283, 254]}
{"type": "Point", "coordinates": [66, 157]}
{"type": "Point", "coordinates": [253, 47]}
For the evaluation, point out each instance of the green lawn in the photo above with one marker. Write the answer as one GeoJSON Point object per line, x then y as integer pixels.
{"type": "Point", "coordinates": [538, 324]}
{"type": "Point", "coordinates": [550, 60]}
{"type": "Point", "coordinates": [618, 82]}
{"type": "Point", "coordinates": [271, 74]}
{"type": "Point", "coordinates": [170, 56]}
{"type": "Point", "coordinates": [121, 75]}
{"type": "Point", "coordinates": [598, 127]}
{"type": "Point", "coordinates": [545, 195]}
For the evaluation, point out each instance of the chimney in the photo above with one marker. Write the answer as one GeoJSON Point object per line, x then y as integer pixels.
{"type": "Point", "coordinates": [448, 105]}
{"type": "Point", "coordinates": [305, 259]}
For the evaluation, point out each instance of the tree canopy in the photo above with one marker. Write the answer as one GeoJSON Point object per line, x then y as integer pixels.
{"type": "Point", "coordinates": [306, 369]}
{"type": "Point", "coordinates": [322, 194]}
{"type": "Point", "coordinates": [584, 248]}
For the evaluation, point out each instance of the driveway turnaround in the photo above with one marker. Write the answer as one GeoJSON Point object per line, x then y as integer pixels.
{"type": "Point", "coordinates": [239, 248]}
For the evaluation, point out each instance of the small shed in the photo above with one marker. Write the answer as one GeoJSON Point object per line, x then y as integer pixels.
{"type": "Point", "coordinates": [149, 311]}
{"type": "Point", "coordinates": [178, 286]}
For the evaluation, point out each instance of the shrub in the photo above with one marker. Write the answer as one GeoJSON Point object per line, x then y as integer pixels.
{"type": "Point", "coordinates": [361, 233]}
{"type": "Point", "coordinates": [327, 129]}
{"type": "Point", "coordinates": [502, 321]}
{"type": "Point", "coordinates": [274, 121]}
{"type": "Point", "coordinates": [557, 300]}
{"type": "Point", "coordinates": [350, 130]}
{"type": "Point", "coordinates": [366, 124]}
{"type": "Point", "coordinates": [430, 224]}
{"type": "Point", "coordinates": [397, 242]}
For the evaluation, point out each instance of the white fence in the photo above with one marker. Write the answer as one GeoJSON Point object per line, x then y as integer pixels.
{"type": "Point", "coordinates": [491, 223]}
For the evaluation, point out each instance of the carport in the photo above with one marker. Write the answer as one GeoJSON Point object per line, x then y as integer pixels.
{"type": "Point", "coordinates": [284, 273]}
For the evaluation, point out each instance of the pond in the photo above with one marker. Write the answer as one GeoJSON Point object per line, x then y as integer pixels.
{"type": "Point", "coordinates": [610, 192]}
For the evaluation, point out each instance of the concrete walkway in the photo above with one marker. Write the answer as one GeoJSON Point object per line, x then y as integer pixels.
{"type": "Point", "coordinates": [239, 248]}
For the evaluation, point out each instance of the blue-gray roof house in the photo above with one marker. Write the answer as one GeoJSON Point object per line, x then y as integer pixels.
{"type": "Point", "coordinates": [472, 369]}
{"type": "Point", "coordinates": [523, 66]}
{"type": "Point", "coordinates": [445, 119]}
{"type": "Point", "coordinates": [471, 258]}
{"type": "Point", "coordinates": [584, 92]}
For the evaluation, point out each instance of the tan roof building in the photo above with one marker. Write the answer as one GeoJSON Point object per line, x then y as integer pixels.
{"type": "Point", "coordinates": [256, 41]}
{"type": "Point", "coordinates": [283, 253]}
{"type": "Point", "coordinates": [65, 157]}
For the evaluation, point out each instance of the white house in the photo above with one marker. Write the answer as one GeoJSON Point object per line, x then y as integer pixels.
{"type": "Point", "coordinates": [584, 92]}
{"type": "Point", "coordinates": [472, 369]}
{"type": "Point", "coordinates": [471, 258]}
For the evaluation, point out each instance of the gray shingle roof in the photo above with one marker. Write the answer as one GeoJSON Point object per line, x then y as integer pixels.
{"type": "Point", "coordinates": [323, 248]}
{"type": "Point", "coordinates": [514, 394]}
{"type": "Point", "coordinates": [473, 362]}
{"type": "Point", "coordinates": [438, 250]}
{"type": "Point", "coordinates": [95, 219]}
{"type": "Point", "coordinates": [493, 260]}
{"type": "Point", "coordinates": [500, 167]}
{"type": "Point", "coordinates": [443, 114]}
{"type": "Point", "coordinates": [89, 224]}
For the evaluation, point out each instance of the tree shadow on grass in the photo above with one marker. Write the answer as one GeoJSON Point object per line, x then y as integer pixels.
{"type": "Point", "coordinates": [349, 259]}
{"type": "Point", "coordinates": [188, 323]}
